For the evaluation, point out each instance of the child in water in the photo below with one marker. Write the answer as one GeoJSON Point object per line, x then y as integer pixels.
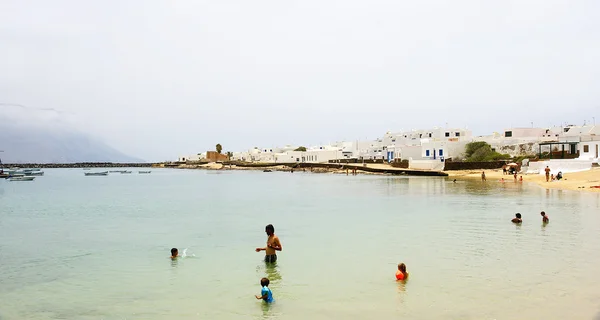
{"type": "Point", "coordinates": [174, 253]}
{"type": "Point", "coordinates": [544, 217]}
{"type": "Point", "coordinates": [401, 274]}
{"type": "Point", "coordinates": [265, 294]}
{"type": "Point", "coordinates": [517, 218]}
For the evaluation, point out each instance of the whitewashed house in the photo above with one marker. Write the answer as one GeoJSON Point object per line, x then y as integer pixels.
{"type": "Point", "coordinates": [192, 157]}
{"type": "Point", "coordinates": [430, 144]}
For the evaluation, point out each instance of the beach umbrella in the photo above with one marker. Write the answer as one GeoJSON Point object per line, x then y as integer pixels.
{"type": "Point", "coordinates": [512, 164]}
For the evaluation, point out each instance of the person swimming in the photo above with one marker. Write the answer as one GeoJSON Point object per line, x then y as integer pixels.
{"type": "Point", "coordinates": [517, 218]}
{"type": "Point", "coordinates": [401, 274]}
{"type": "Point", "coordinates": [265, 293]}
{"type": "Point", "coordinates": [544, 217]}
{"type": "Point", "coordinates": [174, 253]}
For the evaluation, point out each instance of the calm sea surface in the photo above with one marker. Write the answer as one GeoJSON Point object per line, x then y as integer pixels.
{"type": "Point", "coordinates": [76, 247]}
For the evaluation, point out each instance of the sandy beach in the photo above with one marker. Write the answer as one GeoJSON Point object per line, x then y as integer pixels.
{"type": "Point", "coordinates": [572, 181]}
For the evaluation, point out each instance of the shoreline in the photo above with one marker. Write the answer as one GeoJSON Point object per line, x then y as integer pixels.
{"type": "Point", "coordinates": [335, 168]}
{"type": "Point", "coordinates": [576, 181]}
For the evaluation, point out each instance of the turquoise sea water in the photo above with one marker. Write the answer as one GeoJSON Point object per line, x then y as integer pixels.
{"type": "Point", "coordinates": [76, 247]}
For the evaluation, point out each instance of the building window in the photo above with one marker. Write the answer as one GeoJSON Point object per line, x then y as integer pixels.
{"type": "Point", "coordinates": [441, 152]}
{"type": "Point", "coordinates": [457, 134]}
{"type": "Point", "coordinates": [430, 134]}
{"type": "Point", "coordinates": [420, 135]}
{"type": "Point", "coordinates": [427, 153]}
{"type": "Point", "coordinates": [447, 134]}
{"type": "Point", "coordinates": [586, 148]}
{"type": "Point", "coordinates": [507, 134]}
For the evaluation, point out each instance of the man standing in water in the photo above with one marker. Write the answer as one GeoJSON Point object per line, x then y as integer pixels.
{"type": "Point", "coordinates": [547, 170]}
{"type": "Point", "coordinates": [273, 245]}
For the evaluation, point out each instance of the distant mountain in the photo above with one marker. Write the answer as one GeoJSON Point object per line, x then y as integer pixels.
{"type": "Point", "coordinates": [44, 140]}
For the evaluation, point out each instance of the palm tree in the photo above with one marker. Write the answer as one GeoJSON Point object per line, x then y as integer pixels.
{"type": "Point", "coordinates": [219, 148]}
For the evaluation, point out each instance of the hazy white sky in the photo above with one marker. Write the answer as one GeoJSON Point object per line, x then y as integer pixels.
{"type": "Point", "coordinates": [158, 79]}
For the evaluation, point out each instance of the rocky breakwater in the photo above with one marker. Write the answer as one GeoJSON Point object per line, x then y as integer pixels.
{"type": "Point", "coordinates": [81, 165]}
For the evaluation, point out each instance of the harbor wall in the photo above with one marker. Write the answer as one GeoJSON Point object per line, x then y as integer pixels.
{"type": "Point", "coordinates": [80, 165]}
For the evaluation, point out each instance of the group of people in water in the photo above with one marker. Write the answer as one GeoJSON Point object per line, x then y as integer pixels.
{"type": "Point", "coordinates": [518, 220]}
{"type": "Point", "coordinates": [274, 245]}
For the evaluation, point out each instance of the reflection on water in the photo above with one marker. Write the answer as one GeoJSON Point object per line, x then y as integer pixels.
{"type": "Point", "coordinates": [174, 262]}
{"type": "Point", "coordinates": [266, 310]}
{"type": "Point", "coordinates": [272, 272]}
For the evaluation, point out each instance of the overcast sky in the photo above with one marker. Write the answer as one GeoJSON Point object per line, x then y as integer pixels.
{"type": "Point", "coordinates": [159, 79]}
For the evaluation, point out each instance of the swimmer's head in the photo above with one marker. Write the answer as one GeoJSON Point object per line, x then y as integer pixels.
{"type": "Point", "coordinates": [269, 229]}
{"type": "Point", "coordinates": [543, 214]}
{"type": "Point", "coordinates": [174, 252]}
{"type": "Point", "coordinates": [264, 282]}
{"type": "Point", "coordinates": [402, 267]}
{"type": "Point", "coordinates": [518, 215]}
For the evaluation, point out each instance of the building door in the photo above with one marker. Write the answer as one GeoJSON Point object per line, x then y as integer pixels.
{"type": "Point", "coordinates": [596, 151]}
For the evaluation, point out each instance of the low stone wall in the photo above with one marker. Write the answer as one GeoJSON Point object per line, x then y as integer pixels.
{"type": "Point", "coordinates": [566, 166]}
{"type": "Point", "coordinates": [433, 165]}
{"type": "Point", "coordinates": [400, 164]}
{"type": "Point", "coordinates": [357, 161]}
{"type": "Point", "coordinates": [254, 164]}
{"type": "Point", "coordinates": [459, 165]}
{"type": "Point", "coordinates": [80, 165]}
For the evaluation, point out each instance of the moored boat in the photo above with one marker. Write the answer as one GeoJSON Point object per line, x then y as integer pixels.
{"type": "Point", "coordinates": [105, 173]}
{"type": "Point", "coordinates": [125, 172]}
{"type": "Point", "coordinates": [23, 178]}
{"type": "Point", "coordinates": [144, 172]}
{"type": "Point", "coordinates": [34, 173]}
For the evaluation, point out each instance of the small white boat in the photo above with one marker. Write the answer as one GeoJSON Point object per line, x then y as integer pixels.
{"type": "Point", "coordinates": [144, 172]}
{"type": "Point", "coordinates": [34, 173]}
{"type": "Point", "coordinates": [105, 173]}
{"type": "Point", "coordinates": [21, 178]}
{"type": "Point", "coordinates": [125, 172]}
{"type": "Point", "coordinates": [86, 168]}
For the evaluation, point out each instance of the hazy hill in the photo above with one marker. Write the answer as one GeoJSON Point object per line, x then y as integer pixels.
{"type": "Point", "coordinates": [27, 137]}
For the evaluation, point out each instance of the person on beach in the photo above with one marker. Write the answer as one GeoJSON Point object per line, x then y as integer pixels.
{"type": "Point", "coordinates": [174, 253]}
{"type": "Point", "coordinates": [273, 245]}
{"type": "Point", "coordinates": [552, 178]}
{"type": "Point", "coordinates": [547, 170]}
{"type": "Point", "coordinates": [521, 179]}
{"type": "Point", "coordinates": [483, 178]}
{"type": "Point", "coordinates": [559, 175]}
{"type": "Point", "coordinates": [515, 176]}
{"type": "Point", "coordinates": [517, 218]}
{"type": "Point", "coordinates": [265, 293]}
{"type": "Point", "coordinates": [401, 274]}
{"type": "Point", "coordinates": [504, 169]}
{"type": "Point", "coordinates": [544, 217]}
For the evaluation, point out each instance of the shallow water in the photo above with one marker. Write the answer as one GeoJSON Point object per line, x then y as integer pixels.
{"type": "Point", "coordinates": [76, 247]}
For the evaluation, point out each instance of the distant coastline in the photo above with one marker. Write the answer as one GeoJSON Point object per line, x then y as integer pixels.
{"type": "Point", "coordinates": [81, 165]}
